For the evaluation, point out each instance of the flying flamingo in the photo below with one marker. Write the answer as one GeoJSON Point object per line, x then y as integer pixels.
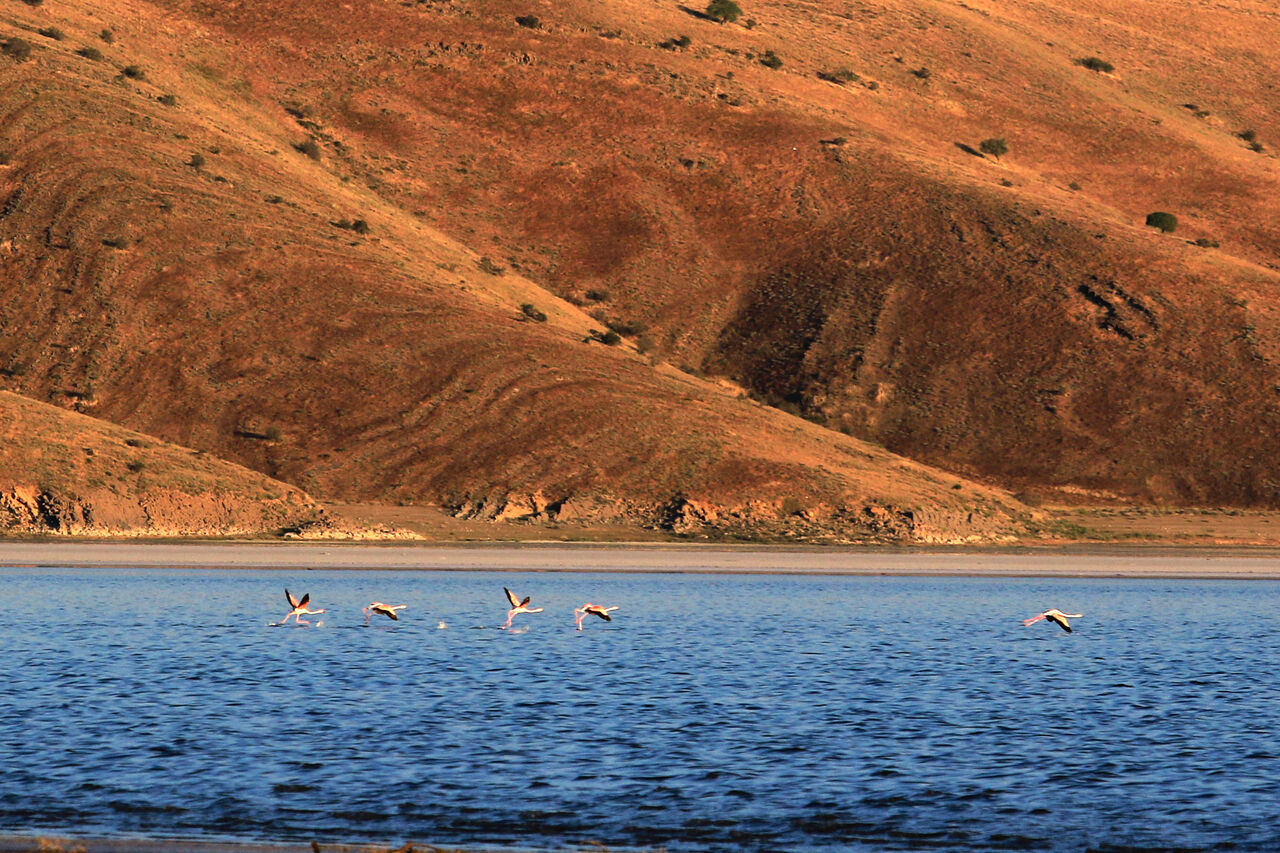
{"type": "Point", "coordinates": [518, 606]}
{"type": "Point", "coordinates": [1057, 617]}
{"type": "Point", "coordinates": [580, 613]}
{"type": "Point", "coordinates": [388, 610]}
{"type": "Point", "coordinates": [299, 608]}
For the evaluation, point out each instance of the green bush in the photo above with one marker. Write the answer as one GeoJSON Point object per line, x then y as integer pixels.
{"type": "Point", "coordinates": [1094, 63]}
{"type": "Point", "coordinates": [922, 73]}
{"type": "Point", "coordinates": [839, 76]}
{"type": "Point", "coordinates": [107, 36]}
{"type": "Point", "coordinates": [995, 146]}
{"type": "Point", "coordinates": [309, 147]}
{"type": "Point", "coordinates": [19, 49]}
{"type": "Point", "coordinates": [609, 338]}
{"type": "Point", "coordinates": [90, 53]}
{"type": "Point", "coordinates": [1248, 135]}
{"type": "Point", "coordinates": [196, 161]}
{"type": "Point", "coordinates": [168, 100]}
{"type": "Point", "coordinates": [771, 60]}
{"type": "Point", "coordinates": [51, 33]}
{"type": "Point", "coordinates": [486, 264]}
{"type": "Point", "coordinates": [723, 11]}
{"type": "Point", "coordinates": [1166, 222]}
{"type": "Point", "coordinates": [530, 22]}
{"type": "Point", "coordinates": [133, 72]}
{"type": "Point", "coordinates": [1206, 243]}
{"type": "Point", "coordinates": [597, 295]}
{"type": "Point", "coordinates": [532, 313]}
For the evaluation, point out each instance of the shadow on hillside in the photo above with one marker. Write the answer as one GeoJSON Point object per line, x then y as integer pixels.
{"type": "Point", "coordinates": [969, 149]}
{"type": "Point", "coordinates": [701, 16]}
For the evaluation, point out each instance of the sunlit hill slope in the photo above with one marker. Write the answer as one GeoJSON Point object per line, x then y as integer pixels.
{"type": "Point", "coordinates": [300, 236]}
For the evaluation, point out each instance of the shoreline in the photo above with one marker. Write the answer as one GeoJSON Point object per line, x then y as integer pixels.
{"type": "Point", "coordinates": [1173, 562]}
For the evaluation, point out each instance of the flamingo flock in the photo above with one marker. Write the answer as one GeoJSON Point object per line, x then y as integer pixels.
{"type": "Point", "coordinates": [521, 605]}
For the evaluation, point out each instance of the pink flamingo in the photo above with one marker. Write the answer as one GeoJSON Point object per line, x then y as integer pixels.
{"type": "Point", "coordinates": [580, 613]}
{"type": "Point", "coordinates": [388, 610]}
{"type": "Point", "coordinates": [299, 608]}
{"type": "Point", "coordinates": [518, 606]}
{"type": "Point", "coordinates": [1055, 616]}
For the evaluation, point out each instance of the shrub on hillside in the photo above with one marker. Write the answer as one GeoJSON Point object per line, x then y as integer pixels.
{"type": "Point", "coordinates": [922, 73]}
{"type": "Point", "coordinates": [16, 48]}
{"type": "Point", "coordinates": [528, 310]}
{"type": "Point", "coordinates": [771, 60]}
{"type": "Point", "coordinates": [1206, 243]}
{"type": "Point", "coordinates": [723, 11]}
{"type": "Point", "coordinates": [486, 264]}
{"type": "Point", "coordinates": [839, 76]}
{"type": "Point", "coordinates": [133, 72]}
{"type": "Point", "coordinates": [1248, 135]}
{"type": "Point", "coordinates": [168, 100]}
{"type": "Point", "coordinates": [529, 22]}
{"type": "Point", "coordinates": [595, 295]}
{"type": "Point", "coordinates": [995, 147]}
{"type": "Point", "coordinates": [1094, 63]}
{"type": "Point", "coordinates": [107, 36]}
{"type": "Point", "coordinates": [309, 147]}
{"type": "Point", "coordinates": [90, 53]}
{"type": "Point", "coordinates": [51, 33]}
{"type": "Point", "coordinates": [1166, 222]}
{"type": "Point", "coordinates": [196, 161]}
{"type": "Point", "coordinates": [609, 338]}
{"type": "Point", "coordinates": [33, 2]}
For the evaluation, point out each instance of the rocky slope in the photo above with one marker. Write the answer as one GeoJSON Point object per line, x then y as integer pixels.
{"type": "Point", "coordinates": [64, 473]}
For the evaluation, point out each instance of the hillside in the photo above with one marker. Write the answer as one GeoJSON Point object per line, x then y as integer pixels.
{"type": "Point", "coordinates": [300, 237]}
{"type": "Point", "coordinates": [65, 473]}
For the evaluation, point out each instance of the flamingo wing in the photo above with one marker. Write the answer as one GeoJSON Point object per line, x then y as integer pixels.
{"type": "Point", "coordinates": [1060, 622]}
{"type": "Point", "coordinates": [601, 612]}
{"type": "Point", "coordinates": [511, 596]}
{"type": "Point", "coordinates": [305, 599]}
{"type": "Point", "coordinates": [525, 603]}
{"type": "Point", "coordinates": [293, 602]}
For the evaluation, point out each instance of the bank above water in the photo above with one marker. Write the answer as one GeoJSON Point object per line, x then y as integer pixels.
{"type": "Point", "coordinates": [1144, 561]}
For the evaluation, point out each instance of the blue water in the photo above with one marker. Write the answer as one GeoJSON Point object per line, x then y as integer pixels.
{"type": "Point", "coordinates": [713, 713]}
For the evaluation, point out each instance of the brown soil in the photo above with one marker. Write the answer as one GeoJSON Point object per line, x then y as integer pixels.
{"type": "Point", "coordinates": [832, 249]}
{"type": "Point", "coordinates": [67, 474]}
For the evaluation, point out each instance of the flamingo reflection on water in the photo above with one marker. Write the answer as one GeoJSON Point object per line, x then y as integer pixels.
{"type": "Point", "coordinates": [580, 613]}
{"type": "Point", "coordinates": [518, 606]}
{"type": "Point", "coordinates": [299, 608]}
{"type": "Point", "coordinates": [1055, 616]}
{"type": "Point", "coordinates": [388, 610]}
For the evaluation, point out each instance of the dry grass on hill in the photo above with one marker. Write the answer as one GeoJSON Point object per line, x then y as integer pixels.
{"type": "Point", "coordinates": [300, 236]}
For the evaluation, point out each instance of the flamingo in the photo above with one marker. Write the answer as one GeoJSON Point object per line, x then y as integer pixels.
{"type": "Point", "coordinates": [388, 610]}
{"type": "Point", "coordinates": [299, 608]}
{"type": "Point", "coordinates": [580, 613]}
{"type": "Point", "coordinates": [1057, 617]}
{"type": "Point", "coordinates": [518, 606]}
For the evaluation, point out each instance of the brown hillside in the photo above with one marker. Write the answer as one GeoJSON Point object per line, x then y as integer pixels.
{"type": "Point", "coordinates": [834, 246]}
{"type": "Point", "coordinates": [234, 302]}
{"type": "Point", "coordinates": [61, 472]}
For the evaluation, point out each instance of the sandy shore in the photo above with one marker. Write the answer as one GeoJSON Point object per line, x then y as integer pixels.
{"type": "Point", "coordinates": [1092, 561]}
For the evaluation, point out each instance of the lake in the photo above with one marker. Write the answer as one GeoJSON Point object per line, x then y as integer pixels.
{"type": "Point", "coordinates": [715, 712]}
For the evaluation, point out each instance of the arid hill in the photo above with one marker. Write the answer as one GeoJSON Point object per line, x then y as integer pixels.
{"type": "Point", "coordinates": [65, 473]}
{"type": "Point", "coordinates": [300, 236]}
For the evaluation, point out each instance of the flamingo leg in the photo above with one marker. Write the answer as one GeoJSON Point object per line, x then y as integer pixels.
{"type": "Point", "coordinates": [1033, 619]}
{"type": "Point", "coordinates": [511, 614]}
